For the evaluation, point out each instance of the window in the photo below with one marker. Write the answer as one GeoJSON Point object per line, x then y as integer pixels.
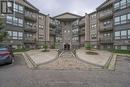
{"type": "Point", "coordinates": [41, 26]}
{"type": "Point", "coordinates": [15, 21]}
{"type": "Point", "coordinates": [117, 20]}
{"type": "Point", "coordinates": [40, 17]}
{"type": "Point", "coordinates": [129, 34]}
{"type": "Point", "coordinates": [116, 5]}
{"type": "Point", "coordinates": [93, 26]}
{"type": "Point", "coordinates": [128, 16]}
{"type": "Point", "coordinates": [93, 16]}
{"type": "Point", "coordinates": [93, 36]}
{"type": "Point", "coordinates": [9, 33]}
{"type": "Point", "coordinates": [9, 19]}
{"type": "Point", "coordinates": [20, 35]}
{"type": "Point", "coordinates": [123, 19]}
{"type": "Point", "coordinates": [20, 22]}
{"type": "Point", "coordinates": [123, 4]}
{"type": "Point", "coordinates": [18, 8]}
{"type": "Point", "coordinates": [128, 1]}
{"type": "Point", "coordinates": [15, 34]}
{"type": "Point", "coordinates": [123, 34]}
{"type": "Point", "coordinates": [7, 7]}
{"type": "Point", "coordinates": [117, 35]}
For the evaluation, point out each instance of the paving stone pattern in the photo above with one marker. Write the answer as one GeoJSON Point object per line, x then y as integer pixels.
{"type": "Point", "coordinates": [68, 61]}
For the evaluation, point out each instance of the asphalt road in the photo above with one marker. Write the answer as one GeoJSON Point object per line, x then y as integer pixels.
{"type": "Point", "coordinates": [18, 75]}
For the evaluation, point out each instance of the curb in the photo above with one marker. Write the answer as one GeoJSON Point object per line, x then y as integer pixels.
{"type": "Point", "coordinates": [112, 64]}
{"type": "Point", "coordinates": [108, 62]}
{"type": "Point", "coordinates": [30, 63]}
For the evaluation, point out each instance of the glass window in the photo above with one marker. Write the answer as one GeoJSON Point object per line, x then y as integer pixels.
{"type": "Point", "coordinates": [117, 35]}
{"type": "Point", "coordinates": [123, 4]}
{"type": "Point", "coordinates": [9, 19]}
{"type": "Point", "coordinates": [116, 5]}
{"type": "Point", "coordinates": [123, 34]}
{"type": "Point", "coordinates": [20, 35]}
{"type": "Point", "coordinates": [128, 1]}
{"type": "Point", "coordinates": [15, 34]}
{"type": "Point", "coordinates": [20, 22]}
{"type": "Point", "coordinates": [9, 33]}
{"type": "Point", "coordinates": [129, 34]}
{"type": "Point", "coordinates": [15, 21]}
{"type": "Point", "coordinates": [117, 20]}
{"type": "Point", "coordinates": [123, 19]}
{"type": "Point", "coordinates": [128, 16]}
{"type": "Point", "coordinates": [20, 9]}
{"type": "Point", "coordinates": [16, 7]}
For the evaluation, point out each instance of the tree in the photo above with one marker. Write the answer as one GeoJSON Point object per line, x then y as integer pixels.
{"type": "Point", "coordinates": [3, 34]}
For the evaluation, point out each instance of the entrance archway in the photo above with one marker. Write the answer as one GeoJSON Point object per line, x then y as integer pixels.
{"type": "Point", "coordinates": [66, 46]}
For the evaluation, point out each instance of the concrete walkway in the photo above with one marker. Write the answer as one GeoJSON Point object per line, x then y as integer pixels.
{"type": "Point", "coordinates": [38, 57]}
{"type": "Point", "coordinates": [100, 59]}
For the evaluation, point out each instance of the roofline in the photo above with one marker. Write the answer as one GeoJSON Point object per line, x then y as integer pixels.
{"type": "Point", "coordinates": [67, 13]}
{"type": "Point", "coordinates": [31, 5]}
{"type": "Point", "coordinates": [42, 14]}
{"type": "Point", "coordinates": [101, 4]}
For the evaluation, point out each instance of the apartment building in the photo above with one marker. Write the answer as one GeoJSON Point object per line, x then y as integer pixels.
{"type": "Point", "coordinates": [105, 24]}
{"type": "Point", "coordinates": [122, 24]}
{"type": "Point", "coordinates": [105, 28]}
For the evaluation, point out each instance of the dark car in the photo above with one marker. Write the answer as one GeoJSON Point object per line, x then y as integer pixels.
{"type": "Point", "coordinates": [6, 55]}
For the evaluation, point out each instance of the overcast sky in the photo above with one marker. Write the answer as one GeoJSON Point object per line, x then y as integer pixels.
{"type": "Point", "coordinates": [56, 7]}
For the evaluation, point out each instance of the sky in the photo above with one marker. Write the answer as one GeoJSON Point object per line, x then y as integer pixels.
{"type": "Point", "coordinates": [56, 7]}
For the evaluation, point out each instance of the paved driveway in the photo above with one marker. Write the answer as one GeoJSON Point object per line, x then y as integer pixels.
{"type": "Point", "coordinates": [18, 75]}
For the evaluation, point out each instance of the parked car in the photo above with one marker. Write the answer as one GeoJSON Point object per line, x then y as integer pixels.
{"type": "Point", "coordinates": [6, 55]}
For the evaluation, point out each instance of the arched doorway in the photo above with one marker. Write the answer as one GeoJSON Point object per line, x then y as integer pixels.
{"type": "Point", "coordinates": [66, 46]}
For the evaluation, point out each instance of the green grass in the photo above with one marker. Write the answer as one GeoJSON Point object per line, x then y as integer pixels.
{"type": "Point", "coordinates": [121, 51]}
{"type": "Point", "coordinates": [21, 50]}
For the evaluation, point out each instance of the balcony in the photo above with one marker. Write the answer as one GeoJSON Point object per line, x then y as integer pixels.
{"type": "Point", "coordinates": [106, 40]}
{"type": "Point", "coordinates": [106, 28]}
{"type": "Point", "coordinates": [82, 23]}
{"type": "Point", "coordinates": [52, 32]}
{"type": "Point", "coordinates": [29, 40]}
{"type": "Point", "coordinates": [106, 15]}
{"type": "Point", "coordinates": [30, 29]}
{"type": "Point", "coordinates": [82, 32]}
{"type": "Point", "coordinates": [52, 24]}
{"type": "Point", "coordinates": [30, 17]}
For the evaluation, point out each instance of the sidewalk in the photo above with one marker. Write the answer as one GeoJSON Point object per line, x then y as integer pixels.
{"type": "Point", "coordinates": [38, 57]}
{"type": "Point", "coordinates": [100, 59]}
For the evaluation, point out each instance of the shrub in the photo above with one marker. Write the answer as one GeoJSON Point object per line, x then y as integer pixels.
{"type": "Point", "coordinates": [88, 46]}
{"type": "Point", "coordinates": [45, 46]}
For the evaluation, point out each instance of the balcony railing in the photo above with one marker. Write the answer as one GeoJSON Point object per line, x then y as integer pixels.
{"type": "Point", "coordinates": [30, 17]}
{"type": "Point", "coordinates": [82, 32]}
{"type": "Point", "coordinates": [82, 23]}
{"type": "Point", "coordinates": [52, 32]}
{"type": "Point", "coordinates": [30, 29]}
{"type": "Point", "coordinates": [106, 28]}
{"type": "Point", "coordinates": [106, 15]}
{"type": "Point", "coordinates": [106, 40]}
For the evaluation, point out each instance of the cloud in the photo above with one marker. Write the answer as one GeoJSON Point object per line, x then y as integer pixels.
{"type": "Point", "coordinates": [56, 7]}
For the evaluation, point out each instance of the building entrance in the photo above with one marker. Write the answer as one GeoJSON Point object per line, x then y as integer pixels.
{"type": "Point", "coordinates": [67, 47]}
